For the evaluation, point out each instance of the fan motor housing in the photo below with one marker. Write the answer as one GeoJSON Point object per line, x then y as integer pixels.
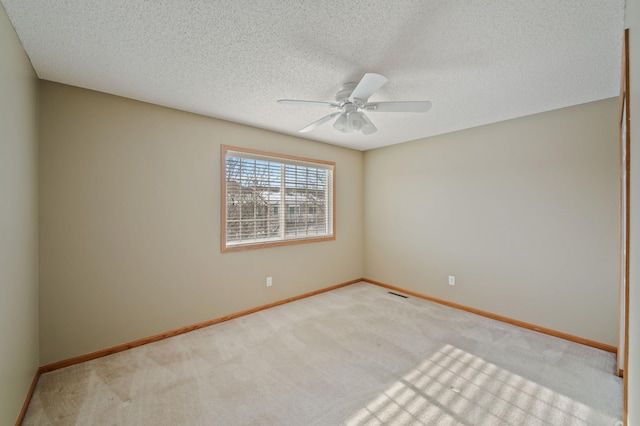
{"type": "Point", "coordinates": [345, 91]}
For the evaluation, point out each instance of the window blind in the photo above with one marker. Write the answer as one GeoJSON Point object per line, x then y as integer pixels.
{"type": "Point", "coordinates": [276, 199]}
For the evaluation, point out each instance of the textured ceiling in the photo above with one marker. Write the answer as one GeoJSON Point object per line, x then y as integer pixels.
{"type": "Point", "coordinates": [478, 62]}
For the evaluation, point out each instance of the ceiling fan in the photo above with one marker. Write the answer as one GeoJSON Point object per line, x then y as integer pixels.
{"type": "Point", "coordinates": [352, 99]}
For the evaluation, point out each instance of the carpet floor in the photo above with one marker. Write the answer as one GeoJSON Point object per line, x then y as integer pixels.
{"type": "Point", "coordinates": [357, 355]}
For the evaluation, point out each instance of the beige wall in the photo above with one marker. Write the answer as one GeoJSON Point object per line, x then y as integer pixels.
{"type": "Point", "coordinates": [130, 223]}
{"type": "Point", "coordinates": [524, 213]}
{"type": "Point", "coordinates": [633, 368]}
{"type": "Point", "coordinates": [18, 223]}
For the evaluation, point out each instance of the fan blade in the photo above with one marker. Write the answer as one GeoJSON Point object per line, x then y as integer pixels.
{"type": "Point", "coordinates": [368, 85]}
{"type": "Point", "coordinates": [315, 124]}
{"type": "Point", "coordinates": [298, 102]}
{"type": "Point", "coordinates": [408, 106]}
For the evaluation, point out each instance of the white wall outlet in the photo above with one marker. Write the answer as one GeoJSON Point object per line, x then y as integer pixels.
{"type": "Point", "coordinates": [452, 280]}
{"type": "Point", "coordinates": [269, 282]}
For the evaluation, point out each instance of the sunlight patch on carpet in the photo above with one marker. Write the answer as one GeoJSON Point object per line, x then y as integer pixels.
{"type": "Point", "coordinates": [453, 386]}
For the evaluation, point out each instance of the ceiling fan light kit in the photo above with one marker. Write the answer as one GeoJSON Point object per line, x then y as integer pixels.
{"type": "Point", "coordinates": [352, 99]}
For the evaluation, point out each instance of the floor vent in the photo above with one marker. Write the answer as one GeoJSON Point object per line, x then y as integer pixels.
{"type": "Point", "coordinates": [399, 295]}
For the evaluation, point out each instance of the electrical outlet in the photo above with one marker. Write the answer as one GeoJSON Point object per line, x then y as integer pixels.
{"type": "Point", "coordinates": [269, 282]}
{"type": "Point", "coordinates": [452, 280]}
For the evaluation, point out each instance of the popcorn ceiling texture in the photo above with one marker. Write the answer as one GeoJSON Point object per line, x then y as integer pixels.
{"type": "Point", "coordinates": [478, 62]}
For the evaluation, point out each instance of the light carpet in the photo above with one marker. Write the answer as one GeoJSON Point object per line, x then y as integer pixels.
{"type": "Point", "coordinates": [352, 356]}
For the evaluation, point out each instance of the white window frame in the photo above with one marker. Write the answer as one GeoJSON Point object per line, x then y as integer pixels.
{"type": "Point", "coordinates": [323, 233]}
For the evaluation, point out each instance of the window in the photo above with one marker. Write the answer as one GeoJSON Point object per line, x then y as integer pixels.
{"type": "Point", "coordinates": [272, 199]}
